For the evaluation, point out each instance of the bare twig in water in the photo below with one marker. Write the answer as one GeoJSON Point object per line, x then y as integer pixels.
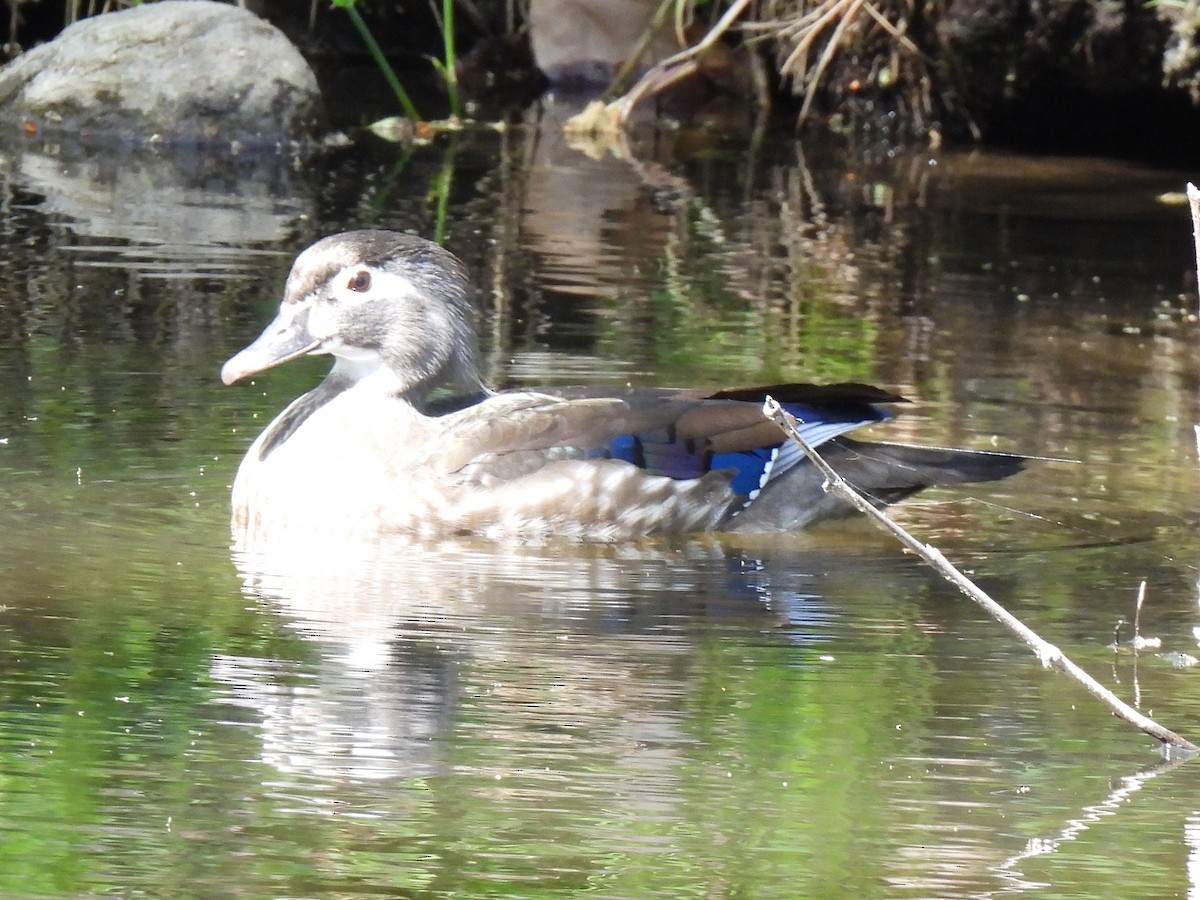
{"type": "Point", "coordinates": [1193, 195]}
{"type": "Point", "coordinates": [1048, 654]}
{"type": "Point", "coordinates": [1137, 613]}
{"type": "Point", "coordinates": [1139, 642]}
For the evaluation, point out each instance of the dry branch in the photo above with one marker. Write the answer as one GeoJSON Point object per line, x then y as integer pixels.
{"type": "Point", "coordinates": [1048, 654]}
{"type": "Point", "coordinates": [1193, 196]}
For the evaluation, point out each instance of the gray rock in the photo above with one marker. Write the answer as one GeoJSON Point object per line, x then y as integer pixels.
{"type": "Point", "coordinates": [178, 70]}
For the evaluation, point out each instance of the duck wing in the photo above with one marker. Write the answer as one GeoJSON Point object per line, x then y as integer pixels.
{"type": "Point", "coordinates": [680, 434]}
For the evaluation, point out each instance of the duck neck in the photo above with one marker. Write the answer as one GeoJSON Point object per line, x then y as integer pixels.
{"type": "Point", "coordinates": [371, 375]}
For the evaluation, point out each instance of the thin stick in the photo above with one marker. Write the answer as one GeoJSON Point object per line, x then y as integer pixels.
{"type": "Point", "coordinates": [1048, 654]}
{"type": "Point", "coordinates": [1193, 196]}
{"type": "Point", "coordinates": [1137, 615]}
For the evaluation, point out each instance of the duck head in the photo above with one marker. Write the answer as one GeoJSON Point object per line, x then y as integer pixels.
{"type": "Point", "coordinates": [379, 302]}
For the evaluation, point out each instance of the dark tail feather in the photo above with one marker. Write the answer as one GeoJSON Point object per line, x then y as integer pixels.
{"type": "Point", "coordinates": [884, 473]}
{"type": "Point", "coordinates": [884, 467]}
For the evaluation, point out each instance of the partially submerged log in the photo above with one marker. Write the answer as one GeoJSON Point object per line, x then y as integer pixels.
{"type": "Point", "coordinates": [1048, 654]}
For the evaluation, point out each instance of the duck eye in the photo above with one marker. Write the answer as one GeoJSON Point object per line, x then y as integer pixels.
{"type": "Point", "coordinates": [360, 281]}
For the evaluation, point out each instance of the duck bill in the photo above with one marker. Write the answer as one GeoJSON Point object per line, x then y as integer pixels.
{"type": "Point", "coordinates": [285, 338]}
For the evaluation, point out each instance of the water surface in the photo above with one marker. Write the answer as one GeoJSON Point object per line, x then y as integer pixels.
{"type": "Point", "coordinates": [805, 715]}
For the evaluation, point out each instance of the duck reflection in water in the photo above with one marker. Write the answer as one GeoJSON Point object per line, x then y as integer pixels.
{"type": "Point", "coordinates": [402, 436]}
{"type": "Point", "coordinates": [414, 639]}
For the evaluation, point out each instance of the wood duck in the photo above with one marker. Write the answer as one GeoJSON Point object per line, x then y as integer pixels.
{"type": "Point", "coordinates": [403, 435]}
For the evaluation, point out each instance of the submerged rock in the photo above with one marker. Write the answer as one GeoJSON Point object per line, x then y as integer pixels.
{"type": "Point", "coordinates": [165, 215]}
{"type": "Point", "coordinates": [176, 71]}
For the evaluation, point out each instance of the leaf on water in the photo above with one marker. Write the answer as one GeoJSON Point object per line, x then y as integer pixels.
{"type": "Point", "coordinates": [402, 130]}
{"type": "Point", "coordinates": [1172, 198]}
{"type": "Point", "coordinates": [597, 120]}
{"type": "Point", "coordinates": [397, 129]}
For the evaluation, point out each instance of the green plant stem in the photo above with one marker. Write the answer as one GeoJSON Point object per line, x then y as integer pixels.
{"type": "Point", "coordinates": [450, 71]}
{"type": "Point", "coordinates": [440, 188]}
{"type": "Point", "coordinates": [382, 197]}
{"type": "Point", "coordinates": [376, 52]}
